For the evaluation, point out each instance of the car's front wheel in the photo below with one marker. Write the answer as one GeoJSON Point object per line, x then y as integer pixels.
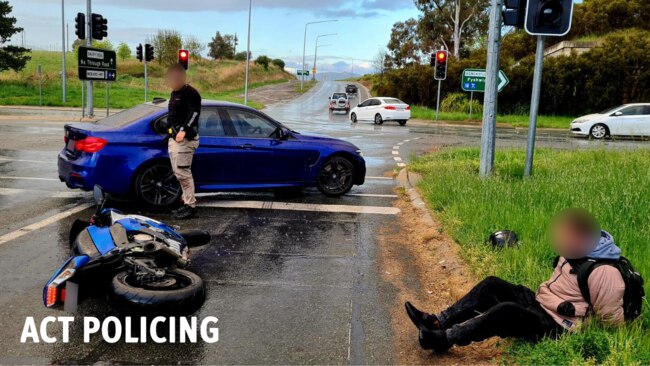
{"type": "Point", "coordinates": [378, 119]}
{"type": "Point", "coordinates": [599, 131]}
{"type": "Point", "coordinates": [336, 177]}
{"type": "Point", "coordinates": [353, 117]}
{"type": "Point", "coordinates": [157, 185]}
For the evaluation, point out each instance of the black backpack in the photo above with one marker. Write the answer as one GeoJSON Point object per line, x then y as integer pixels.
{"type": "Point", "coordinates": [634, 293]}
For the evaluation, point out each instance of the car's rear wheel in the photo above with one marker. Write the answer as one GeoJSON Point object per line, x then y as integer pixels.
{"type": "Point", "coordinates": [336, 177]}
{"type": "Point", "coordinates": [378, 119]}
{"type": "Point", "coordinates": [157, 185]}
{"type": "Point", "coordinates": [353, 117]}
{"type": "Point", "coordinates": [402, 122]}
{"type": "Point", "coordinates": [599, 131]}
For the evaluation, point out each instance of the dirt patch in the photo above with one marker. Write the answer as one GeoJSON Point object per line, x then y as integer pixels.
{"type": "Point", "coordinates": [424, 264]}
{"type": "Point", "coordinates": [275, 93]}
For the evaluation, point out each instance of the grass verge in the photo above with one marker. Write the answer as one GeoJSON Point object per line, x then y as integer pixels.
{"type": "Point", "coordinates": [308, 84]}
{"type": "Point", "coordinates": [562, 122]}
{"type": "Point", "coordinates": [612, 185]}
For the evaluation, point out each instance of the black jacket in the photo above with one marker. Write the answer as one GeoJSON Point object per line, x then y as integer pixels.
{"type": "Point", "coordinates": [184, 112]}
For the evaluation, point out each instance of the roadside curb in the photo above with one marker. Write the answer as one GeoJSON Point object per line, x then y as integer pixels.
{"type": "Point", "coordinates": [408, 181]}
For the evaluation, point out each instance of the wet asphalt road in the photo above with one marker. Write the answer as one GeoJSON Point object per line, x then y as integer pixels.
{"type": "Point", "coordinates": [291, 285]}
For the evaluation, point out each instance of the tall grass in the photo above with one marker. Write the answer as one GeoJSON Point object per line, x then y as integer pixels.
{"type": "Point", "coordinates": [222, 80]}
{"type": "Point", "coordinates": [612, 185]}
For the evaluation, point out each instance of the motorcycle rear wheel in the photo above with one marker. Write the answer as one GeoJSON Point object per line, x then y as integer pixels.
{"type": "Point", "coordinates": [179, 292]}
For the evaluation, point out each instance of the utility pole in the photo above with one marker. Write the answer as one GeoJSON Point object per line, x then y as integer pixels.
{"type": "Point", "coordinates": [304, 47]}
{"type": "Point", "coordinates": [491, 90]}
{"type": "Point", "coordinates": [534, 106]}
{"type": "Point", "coordinates": [63, 81]}
{"type": "Point", "coordinates": [248, 50]}
{"type": "Point", "coordinates": [89, 43]}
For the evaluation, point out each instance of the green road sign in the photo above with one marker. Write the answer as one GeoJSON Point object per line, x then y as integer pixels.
{"type": "Point", "coordinates": [97, 64]}
{"type": "Point", "coordinates": [473, 80]}
{"type": "Point", "coordinates": [303, 72]}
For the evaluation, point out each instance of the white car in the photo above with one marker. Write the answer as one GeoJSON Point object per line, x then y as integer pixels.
{"type": "Point", "coordinates": [625, 120]}
{"type": "Point", "coordinates": [380, 109]}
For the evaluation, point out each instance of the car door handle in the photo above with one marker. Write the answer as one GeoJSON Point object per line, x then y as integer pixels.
{"type": "Point", "coordinates": [247, 146]}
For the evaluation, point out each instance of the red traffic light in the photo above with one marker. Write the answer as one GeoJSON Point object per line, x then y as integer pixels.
{"type": "Point", "coordinates": [184, 58]}
{"type": "Point", "coordinates": [182, 54]}
{"type": "Point", "coordinates": [441, 56]}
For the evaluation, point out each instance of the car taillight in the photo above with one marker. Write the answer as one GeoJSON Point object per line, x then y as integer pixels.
{"type": "Point", "coordinates": [408, 108]}
{"type": "Point", "coordinates": [90, 144]}
{"type": "Point", "coordinates": [390, 107]}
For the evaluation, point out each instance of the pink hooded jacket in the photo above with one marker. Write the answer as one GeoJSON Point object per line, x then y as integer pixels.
{"type": "Point", "coordinates": [561, 294]}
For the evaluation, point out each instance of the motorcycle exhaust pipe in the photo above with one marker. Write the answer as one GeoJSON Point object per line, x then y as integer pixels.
{"type": "Point", "coordinates": [150, 247]}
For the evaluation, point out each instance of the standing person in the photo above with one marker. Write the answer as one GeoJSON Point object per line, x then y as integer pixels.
{"type": "Point", "coordinates": [182, 122]}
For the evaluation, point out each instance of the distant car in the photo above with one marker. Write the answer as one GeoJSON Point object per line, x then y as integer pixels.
{"type": "Point", "coordinates": [624, 120]}
{"type": "Point", "coordinates": [380, 109]}
{"type": "Point", "coordinates": [339, 102]}
{"type": "Point", "coordinates": [240, 149]}
{"type": "Point", "coordinates": [351, 89]}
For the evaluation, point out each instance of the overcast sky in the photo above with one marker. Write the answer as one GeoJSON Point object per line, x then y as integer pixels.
{"type": "Point", "coordinates": [363, 26]}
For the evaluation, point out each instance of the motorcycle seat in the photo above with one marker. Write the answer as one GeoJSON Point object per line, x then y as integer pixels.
{"type": "Point", "coordinates": [120, 238]}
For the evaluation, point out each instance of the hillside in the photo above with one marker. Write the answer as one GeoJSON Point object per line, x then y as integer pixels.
{"type": "Point", "coordinates": [222, 80]}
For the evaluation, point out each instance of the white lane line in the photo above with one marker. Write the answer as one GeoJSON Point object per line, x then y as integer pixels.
{"type": "Point", "coordinates": [397, 158]}
{"type": "Point", "coordinates": [395, 148]}
{"type": "Point", "coordinates": [27, 161]}
{"type": "Point", "coordinates": [10, 191]}
{"type": "Point", "coordinates": [43, 223]}
{"type": "Point", "coordinates": [30, 178]}
{"type": "Point", "coordinates": [372, 195]}
{"type": "Point", "coordinates": [400, 143]}
{"type": "Point", "coordinates": [287, 206]}
{"type": "Point", "coordinates": [395, 152]}
{"type": "Point", "coordinates": [379, 178]}
{"type": "Point", "coordinates": [401, 165]}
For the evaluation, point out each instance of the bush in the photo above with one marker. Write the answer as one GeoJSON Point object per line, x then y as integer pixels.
{"type": "Point", "coordinates": [264, 61]}
{"type": "Point", "coordinates": [459, 102]}
{"type": "Point", "coordinates": [279, 63]}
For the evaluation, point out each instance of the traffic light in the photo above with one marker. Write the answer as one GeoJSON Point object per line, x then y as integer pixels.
{"type": "Point", "coordinates": [440, 68]}
{"type": "Point", "coordinates": [99, 27]}
{"type": "Point", "coordinates": [148, 52]}
{"type": "Point", "coordinates": [184, 58]}
{"type": "Point", "coordinates": [549, 17]}
{"type": "Point", "coordinates": [514, 13]}
{"type": "Point", "coordinates": [80, 25]}
{"type": "Point", "coordinates": [138, 52]}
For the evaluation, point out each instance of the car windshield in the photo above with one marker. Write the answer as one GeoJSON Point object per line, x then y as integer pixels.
{"type": "Point", "coordinates": [392, 101]}
{"type": "Point", "coordinates": [608, 111]}
{"type": "Point", "coordinates": [339, 95]}
{"type": "Point", "coordinates": [129, 116]}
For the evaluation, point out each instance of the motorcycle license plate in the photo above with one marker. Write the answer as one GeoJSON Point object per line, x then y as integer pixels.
{"type": "Point", "coordinates": [71, 297]}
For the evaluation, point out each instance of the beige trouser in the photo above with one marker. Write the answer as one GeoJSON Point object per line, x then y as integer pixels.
{"type": "Point", "coordinates": [180, 154]}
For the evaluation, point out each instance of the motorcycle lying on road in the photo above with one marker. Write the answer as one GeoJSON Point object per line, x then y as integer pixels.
{"type": "Point", "coordinates": [141, 259]}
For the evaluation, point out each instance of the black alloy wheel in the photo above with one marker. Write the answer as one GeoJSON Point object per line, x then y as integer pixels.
{"type": "Point", "coordinates": [336, 177]}
{"type": "Point", "coordinates": [157, 186]}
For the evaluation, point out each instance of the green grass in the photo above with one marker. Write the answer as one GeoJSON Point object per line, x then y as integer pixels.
{"type": "Point", "coordinates": [221, 80]}
{"type": "Point", "coordinates": [612, 185]}
{"type": "Point", "coordinates": [308, 84]}
{"type": "Point", "coordinates": [419, 112]}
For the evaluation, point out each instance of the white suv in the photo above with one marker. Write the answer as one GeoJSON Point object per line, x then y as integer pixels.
{"type": "Point", "coordinates": [339, 102]}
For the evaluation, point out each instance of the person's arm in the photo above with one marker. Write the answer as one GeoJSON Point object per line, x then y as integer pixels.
{"type": "Point", "coordinates": [607, 289]}
{"type": "Point", "coordinates": [194, 109]}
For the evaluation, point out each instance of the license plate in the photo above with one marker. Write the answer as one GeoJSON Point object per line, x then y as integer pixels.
{"type": "Point", "coordinates": [71, 145]}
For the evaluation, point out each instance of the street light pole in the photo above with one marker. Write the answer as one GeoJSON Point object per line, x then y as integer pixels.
{"type": "Point", "coordinates": [248, 50]}
{"type": "Point", "coordinates": [313, 76]}
{"type": "Point", "coordinates": [304, 47]}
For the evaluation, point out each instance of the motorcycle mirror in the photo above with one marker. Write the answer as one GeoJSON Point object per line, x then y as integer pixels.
{"type": "Point", "coordinates": [98, 194]}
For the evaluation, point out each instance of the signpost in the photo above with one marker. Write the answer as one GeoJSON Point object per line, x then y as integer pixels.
{"type": "Point", "coordinates": [97, 64]}
{"type": "Point", "coordinates": [303, 72]}
{"type": "Point", "coordinates": [473, 80]}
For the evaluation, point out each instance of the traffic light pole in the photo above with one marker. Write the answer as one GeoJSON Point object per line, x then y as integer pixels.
{"type": "Point", "coordinates": [438, 99]}
{"type": "Point", "coordinates": [63, 75]}
{"type": "Point", "coordinates": [89, 43]}
{"type": "Point", "coordinates": [534, 106]}
{"type": "Point", "coordinates": [488, 136]}
{"type": "Point", "coordinates": [146, 83]}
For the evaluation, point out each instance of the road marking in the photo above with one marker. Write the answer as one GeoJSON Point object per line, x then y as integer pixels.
{"type": "Point", "coordinates": [379, 178]}
{"type": "Point", "coordinates": [397, 158]}
{"type": "Point", "coordinates": [395, 152]}
{"type": "Point", "coordinates": [27, 161]}
{"type": "Point", "coordinates": [401, 165]}
{"type": "Point", "coordinates": [43, 223]}
{"type": "Point", "coordinates": [30, 178]}
{"type": "Point", "coordinates": [288, 206]}
{"type": "Point", "coordinates": [400, 143]}
{"type": "Point", "coordinates": [372, 195]}
{"type": "Point", "coordinates": [10, 191]}
{"type": "Point", "coordinates": [395, 148]}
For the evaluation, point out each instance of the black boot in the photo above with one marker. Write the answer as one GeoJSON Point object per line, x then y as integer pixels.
{"type": "Point", "coordinates": [435, 340]}
{"type": "Point", "coordinates": [421, 319]}
{"type": "Point", "coordinates": [186, 212]}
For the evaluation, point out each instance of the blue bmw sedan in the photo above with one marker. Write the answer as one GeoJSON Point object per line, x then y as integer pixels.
{"type": "Point", "coordinates": [240, 149]}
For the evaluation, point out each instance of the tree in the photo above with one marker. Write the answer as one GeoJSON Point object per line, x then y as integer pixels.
{"type": "Point", "coordinates": [11, 57]}
{"type": "Point", "coordinates": [404, 46]}
{"type": "Point", "coordinates": [264, 61]}
{"type": "Point", "coordinates": [123, 51]}
{"type": "Point", "coordinates": [595, 17]}
{"type": "Point", "coordinates": [193, 46]}
{"type": "Point", "coordinates": [241, 56]}
{"type": "Point", "coordinates": [451, 22]}
{"type": "Point", "coordinates": [277, 62]}
{"type": "Point", "coordinates": [222, 47]}
{"type": "Point", "coordinates": [166, 43]}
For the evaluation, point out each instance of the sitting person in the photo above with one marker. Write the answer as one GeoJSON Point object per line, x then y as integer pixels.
{"type": "Point", "coordinates": [498, 308]}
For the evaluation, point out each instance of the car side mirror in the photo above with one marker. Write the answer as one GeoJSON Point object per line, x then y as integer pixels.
{"type": "Point", "coordinates": [618, 114]}
{"type": "Point", "coordinates": [283, 134]}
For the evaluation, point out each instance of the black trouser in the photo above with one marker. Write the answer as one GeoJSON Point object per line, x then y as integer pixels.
{"type": "Point", "coordinates": [495, 307]}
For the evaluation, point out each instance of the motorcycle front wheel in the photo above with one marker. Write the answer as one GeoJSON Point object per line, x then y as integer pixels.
{"type": "Point", "coordinates": [178, 292]}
